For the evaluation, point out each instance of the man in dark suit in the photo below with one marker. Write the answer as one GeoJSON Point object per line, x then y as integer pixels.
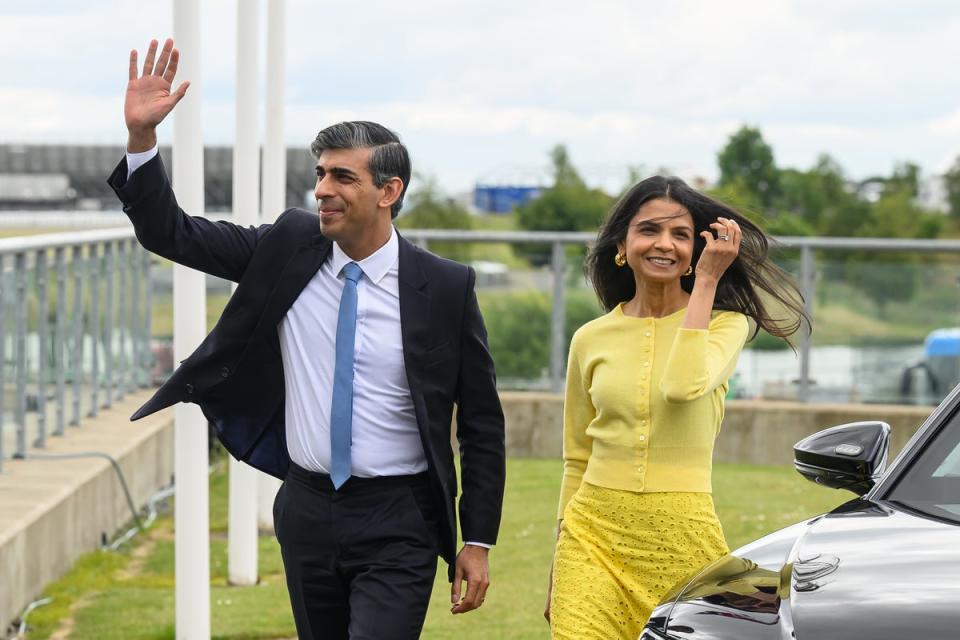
{"type": "Point", "coordinates": [336, 365]}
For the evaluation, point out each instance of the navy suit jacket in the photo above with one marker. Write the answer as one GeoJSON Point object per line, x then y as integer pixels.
{"type": "Point", "coordinates": [236, 374]}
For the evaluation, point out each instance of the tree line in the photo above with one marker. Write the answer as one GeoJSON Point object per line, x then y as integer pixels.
{"type": "Point", "coordinates": [820, 201]}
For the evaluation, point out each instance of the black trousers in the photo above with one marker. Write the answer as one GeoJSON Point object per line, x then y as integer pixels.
{"type": "Point", "coordinates": [360, 561]}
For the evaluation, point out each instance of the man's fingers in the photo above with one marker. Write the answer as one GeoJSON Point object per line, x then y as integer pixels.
{"type": "Point", "coordinates": [455, 586]}
{"type": "Point", "coordinates": [171, 71]}
{"type": "Point", "coordinates": [472, 597]}
{"type": "Point", "coordinates": [133, 64]}
{"type": "Point", "coordinates": [483, 591]}
{"type": "Point", "coordinates": [181, 91]}
{"type": "Point", "coordinates": [161, 68]}
{"type": "Point", "coordinates": [148, 61]}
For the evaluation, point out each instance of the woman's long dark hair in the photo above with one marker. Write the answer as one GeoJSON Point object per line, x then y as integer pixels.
{"type": "Point", "coordinates": [748, 286]}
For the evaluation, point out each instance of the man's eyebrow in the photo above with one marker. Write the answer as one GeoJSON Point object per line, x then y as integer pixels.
{"type": "Point", "coordinates": [337, 171]}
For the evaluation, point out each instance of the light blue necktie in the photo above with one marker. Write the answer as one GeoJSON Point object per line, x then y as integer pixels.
{"type": "Point", "coordinates": [341, 408]}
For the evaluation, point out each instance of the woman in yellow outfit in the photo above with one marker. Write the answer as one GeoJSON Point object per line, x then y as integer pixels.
{"type": "Point", "coordinates": [679, 275]}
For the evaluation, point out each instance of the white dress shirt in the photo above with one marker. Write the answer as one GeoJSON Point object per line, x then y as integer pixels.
{"type": "Point", "coordinates": [386, 440]}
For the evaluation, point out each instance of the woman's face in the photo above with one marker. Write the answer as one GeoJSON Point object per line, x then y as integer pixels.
{"type": "Point", "coordinates": [659, 241]}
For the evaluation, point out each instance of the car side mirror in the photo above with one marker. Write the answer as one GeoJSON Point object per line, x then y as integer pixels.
{"type": "Point", "coordinates": [849, 456]}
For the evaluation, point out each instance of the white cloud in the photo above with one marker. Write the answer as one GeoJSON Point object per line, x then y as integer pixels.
{"type": "Point", "coordinates": [478, 88]}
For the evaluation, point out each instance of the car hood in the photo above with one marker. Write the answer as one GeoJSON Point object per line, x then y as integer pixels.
{"type": "Point", "coordinates": [865, 570]}
{"type": "Point", "coordinates": [889, 572]}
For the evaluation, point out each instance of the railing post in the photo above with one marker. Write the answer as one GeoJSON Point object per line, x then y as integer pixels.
{"type": "Point", "coordinates": [136, 274]}
{"type": "Point", "coordinates": [95, 273]}
{"type": "Point", "coordinates": [109, 271]}
{"type": "Point", "coordinates": [3, 354]}
{"type": "Point", "coordinates": [806, 285]}
{"type": "Point", "coordinates": [20, 417]}
{"type": "Point", "coordinates": [557, 318]}
{"type": "Point", "coordinates": [76, 358]}
{"type": "Point", "coordinates": [43, 334]}
{"type": "Point", "coordinates": [123, 320]}
{"type": "Point", "coordinates": [59, 339]}
{"type": "Point", "coordinates": [145, 358]}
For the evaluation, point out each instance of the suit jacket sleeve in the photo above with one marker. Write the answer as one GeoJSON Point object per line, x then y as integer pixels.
{"type": "Point", "coordinates": [480, 429]}
{"type": "Point", "coordinates": [222, 249]}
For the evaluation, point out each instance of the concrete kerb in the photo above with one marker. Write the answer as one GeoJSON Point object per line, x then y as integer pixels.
{"type": "Point", "coordinates": [54, 510]}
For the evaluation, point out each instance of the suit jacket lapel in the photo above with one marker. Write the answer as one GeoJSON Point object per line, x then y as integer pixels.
{"type": "Point", "coordinates": [414, 328]}
{"type": "Point", "coordinates": [294, 276]}
{"type": "Point", "coordinates": [414, 303]}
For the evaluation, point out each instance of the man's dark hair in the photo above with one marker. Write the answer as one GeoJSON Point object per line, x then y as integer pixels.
{"type": "Point", "coordinates": [389, 158]}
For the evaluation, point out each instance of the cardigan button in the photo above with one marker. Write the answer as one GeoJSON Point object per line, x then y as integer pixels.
{"type": "Point", "coordinates": [225, 372]}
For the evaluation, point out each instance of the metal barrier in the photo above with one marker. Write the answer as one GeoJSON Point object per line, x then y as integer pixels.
{"type": "Point", "coordinates": [92, 345]}
{"type": "Point", "coordinates": [80, 351]}
{"type": "Point", "coordinates": [807, 269]}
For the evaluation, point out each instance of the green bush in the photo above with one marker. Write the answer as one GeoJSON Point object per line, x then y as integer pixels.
{"type": "Point", "coordinates": [518, 324]}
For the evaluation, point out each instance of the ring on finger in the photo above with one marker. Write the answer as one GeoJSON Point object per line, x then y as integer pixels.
{"type": "Point", "coordinates": [723, 236]}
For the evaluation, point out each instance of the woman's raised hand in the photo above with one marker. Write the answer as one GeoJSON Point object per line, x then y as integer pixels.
{"type": "Point", "coordinates": [721, 250]}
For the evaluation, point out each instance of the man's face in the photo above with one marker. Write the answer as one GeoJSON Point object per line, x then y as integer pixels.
{"type": "Point", "coordinates": [347, 199]}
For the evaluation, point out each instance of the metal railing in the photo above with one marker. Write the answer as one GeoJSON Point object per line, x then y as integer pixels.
{"type": "Point", "coordinates": [75, 313]}
{"type": "Point", "coordinates": [558, 240]}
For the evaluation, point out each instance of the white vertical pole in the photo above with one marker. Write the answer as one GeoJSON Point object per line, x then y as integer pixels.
{"type": "Point", "coordinates": [242, 522]}
{"type": "Point", "coordinates": [274, 179]}
{"type": "Point", "coordinates": [274, 150]}
{"type": "Point", "coordinates": [191, 513]}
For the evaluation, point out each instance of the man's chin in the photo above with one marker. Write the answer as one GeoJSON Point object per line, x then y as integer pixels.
{"type": "Point", "coordinates": [330, 228]}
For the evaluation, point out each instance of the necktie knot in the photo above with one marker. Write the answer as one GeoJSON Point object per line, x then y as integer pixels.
{"type": "Point", "coordinates": [352, 272]}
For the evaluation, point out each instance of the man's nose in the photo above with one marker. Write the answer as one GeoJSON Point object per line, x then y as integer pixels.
{"type": "Point", "coordinates": [322, 190]}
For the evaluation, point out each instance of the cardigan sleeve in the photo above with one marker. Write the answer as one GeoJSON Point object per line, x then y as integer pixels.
{"type": "Point", "coordinates": [578, 412]}
{"type": "Point", "coordinates": [703, 359]}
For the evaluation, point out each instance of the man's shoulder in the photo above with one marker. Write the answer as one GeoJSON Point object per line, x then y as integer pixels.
{"type": "Point", "coordinates": [436, 266]}
{"type": "Point", "coordinates": [295, 218]}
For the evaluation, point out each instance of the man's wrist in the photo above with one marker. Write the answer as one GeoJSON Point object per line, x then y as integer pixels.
{"type": "Point", "coordinates": [482, 545]}
{"type": "Point", "coordinates": [140, 140]}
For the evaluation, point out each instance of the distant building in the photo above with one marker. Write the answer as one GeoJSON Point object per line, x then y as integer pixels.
{"type": "Point", "coordinates": [489, 198]}
{"type": "Point", "coordinates": [75, 177]}
{"type": "Point", "coordinates": [36, 190]}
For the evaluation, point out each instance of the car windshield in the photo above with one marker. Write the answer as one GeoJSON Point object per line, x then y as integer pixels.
{"type": "Point", "coordinates": [931, 483]}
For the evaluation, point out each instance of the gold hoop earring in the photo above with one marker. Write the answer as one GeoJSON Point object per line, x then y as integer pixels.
{"type": "Point", "coordinates": [620, 259]}
{"type": "Point", "coordinates": [689, 271]}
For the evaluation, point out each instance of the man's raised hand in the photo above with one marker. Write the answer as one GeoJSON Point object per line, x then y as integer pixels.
{"type": "Point", "coordinates": [149, 99]}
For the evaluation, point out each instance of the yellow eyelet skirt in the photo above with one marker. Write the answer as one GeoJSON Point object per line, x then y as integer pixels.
{"type": "Point", "coordinates": [620, 552]}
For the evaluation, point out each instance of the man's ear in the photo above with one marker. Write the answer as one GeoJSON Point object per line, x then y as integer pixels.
{"type": "Point", "coordinates": [392, 190]}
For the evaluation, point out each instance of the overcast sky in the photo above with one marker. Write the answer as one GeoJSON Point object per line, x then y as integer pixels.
{"type": "Point", "coordinates": [482, 90]}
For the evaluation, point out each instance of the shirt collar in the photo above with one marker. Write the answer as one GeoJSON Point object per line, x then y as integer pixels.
{"type": "Point", "coordinates": [376, 265]}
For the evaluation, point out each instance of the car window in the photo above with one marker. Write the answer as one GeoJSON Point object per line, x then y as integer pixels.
{"type": "Point", "coordinates": [931, 482]}
{"type": "Point", "coordinates": [950, 467]}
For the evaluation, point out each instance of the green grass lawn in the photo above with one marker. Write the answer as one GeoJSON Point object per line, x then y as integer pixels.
{"type": "Point", "coordinates": [129, 594]}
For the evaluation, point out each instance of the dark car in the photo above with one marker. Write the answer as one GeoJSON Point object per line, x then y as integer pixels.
{"type": "Point", "coordinates": [885, 565]}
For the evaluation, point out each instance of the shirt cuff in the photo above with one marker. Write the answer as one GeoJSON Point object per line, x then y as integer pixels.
{"type": "Point", "coordinates": [137, 160]}
{"type": "Point", "coordinates": [480, 544]}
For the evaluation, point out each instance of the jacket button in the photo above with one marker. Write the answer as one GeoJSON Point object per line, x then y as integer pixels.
{"type": "Point", "coordinates": [189, 387]}
{"type": "Point", "coordinates": [225, 372]}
